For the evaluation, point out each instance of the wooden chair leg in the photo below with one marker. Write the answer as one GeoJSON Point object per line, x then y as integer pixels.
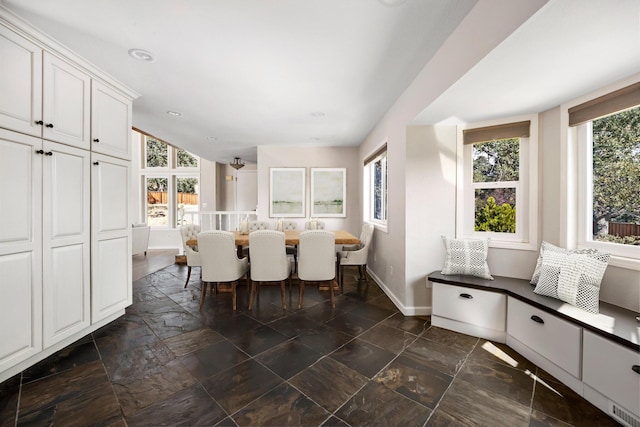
{"type": "Point", "coordinates": [366, 276]}
{"type": "Point", "coordinates": [233, 293]}
{"type": "Point", "coordinates": [204, 293]}
{"type": "Point", "coordinates": [301, 294]}
{"type": "Point", "coordinates": [188, 275]}
{"type": "Point", "coordinates": [282, 291]}
{"type": "Point", "coordinates": [333, 304]}
{"type": "Point", "coordinates": [253, 293]}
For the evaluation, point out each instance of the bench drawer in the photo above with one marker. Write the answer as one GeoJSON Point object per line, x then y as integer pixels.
{"type": "Point", "coordinates": [480, 308]}
{"type": "Point", "coordinates": [553, 338]}
{"type": "Point", "coordinates": [608, 368]}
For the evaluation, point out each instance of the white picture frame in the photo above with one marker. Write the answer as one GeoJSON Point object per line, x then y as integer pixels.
{"type": "Point", "coordinates": [287, 193]}
{"type": "Point", "coordinates": [328, 192]}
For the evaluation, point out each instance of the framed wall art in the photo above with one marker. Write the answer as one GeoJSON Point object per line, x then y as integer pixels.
{"type": "Point", "coordinates": [287, 192]}
{"type": "Point", "coordinates": [328, 192]}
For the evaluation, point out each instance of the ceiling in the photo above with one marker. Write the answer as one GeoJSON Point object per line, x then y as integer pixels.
{"type": "Point", "coordinates": [323, 72]}
{"type": "Point", "coordinates": [250, 72]}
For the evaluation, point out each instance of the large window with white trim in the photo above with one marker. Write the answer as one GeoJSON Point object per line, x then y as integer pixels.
{"type": "Point", "coordinates": [375, 187]}
{"type": "Point", "coordinates": [496, 191]}
{"type": "Point", "coordinates": [608, 139]}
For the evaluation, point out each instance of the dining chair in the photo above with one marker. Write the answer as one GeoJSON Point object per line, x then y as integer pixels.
{"type": "Point", "coordinates": [190, 232]}
{"type": "Point", "coordinates": [316, 260]}
{"type": "Point", "coordinates": [269, 261]}
{"type": "Point", "coordinates": [309, 225]}
{"type": "Point", "coordinates": [220, 262]}
{"type": "Point", "coordinates": [356, 255]}
{"type": "Point", "coordinates": [258, 225]}
{"type": "Point", "coordinates": [288, 225]}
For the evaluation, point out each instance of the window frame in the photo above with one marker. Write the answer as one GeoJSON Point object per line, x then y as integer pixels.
{"type": "Point", "coordinates": [526, 235]}
{"type": "Point", "coordinates": [379, 154]}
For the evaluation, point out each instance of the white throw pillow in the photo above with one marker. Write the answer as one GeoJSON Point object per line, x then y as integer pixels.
{"type": "Point", "coordinates": [548, 247]}
{"type": "Point", "coordinates": [573, 278]}
{"type": "Point", "coordinates": [466, 256]}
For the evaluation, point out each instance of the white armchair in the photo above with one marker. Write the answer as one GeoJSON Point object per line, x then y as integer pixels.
{"type": "Point", "coordinates": [269, 262]}
{"type": "Point", "coordinates": [190, 232]}
{"type": "Point", "coordinates": [258, 225]}
{"type": "Point", "coordinates": [316, 260]}
{"type": "Point", "coordinates": [314, 224]}
{"type": "Point", "coordinates": [220, 262]}
{"type": "Point", "coordinates": [140, 238]}
{"type": "Point", "coordinates": [356, 255]}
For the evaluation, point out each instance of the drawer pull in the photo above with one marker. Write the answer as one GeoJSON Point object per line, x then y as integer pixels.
{"type": "Point", "coordinates": [636, 369]}
{"type": "Point", "coordinates": [467, 296]}
{"type": "Point", "coordinates": [537, 319]}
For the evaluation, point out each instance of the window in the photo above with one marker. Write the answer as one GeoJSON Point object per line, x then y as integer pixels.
{"type": "Point", "coordinates": [608, 137]}
{"type": "Point", "coordinates": [375, 192]}
{"type": "Point", "coordinates": [498, 164]}
{"type": "Point", "coordinates": [171, 178]}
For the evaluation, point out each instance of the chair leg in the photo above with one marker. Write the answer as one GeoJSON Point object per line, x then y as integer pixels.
{"type": "Point", "coordinates": [188, 276]}
{"type": "Point", "coordinates": [253, 292]}
{"type": "Point", "coordinates": [366, 276]}
{"type": "Point", "coordinates": [282, 291]}
{"type": "Point", "coordinates": [301, 294]}
{"type": "Point", "coordinates": [295, 262]}
{"type": "Point", "coordinates": [204, 293]}
{"type": "Point", "coordinates": [233, 293]}
{"type": "Point", "coordinates": [333, 304]}
{"type": "Point", "coordinates": [341, 278]}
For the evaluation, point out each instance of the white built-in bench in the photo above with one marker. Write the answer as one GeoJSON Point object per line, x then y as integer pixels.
{"type": "Point", "coordinates": [596, 355]}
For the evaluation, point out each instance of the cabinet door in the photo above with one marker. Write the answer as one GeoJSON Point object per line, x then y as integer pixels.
{"type": "Point", "coordinates": [66, 103]}
{"type": "Point", "coordinates": [110, 122]}
{"type": "Point", "coordinates": [66, 239]}
{"type": "Point", "coordinates": [20, 248]}
{"type": "Point", "coordinates": [111, 236]}
{"type": "Point", "coordinates": [20, 83]}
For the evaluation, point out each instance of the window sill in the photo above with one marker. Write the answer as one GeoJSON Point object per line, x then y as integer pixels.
{"type": "Point", "coordinates": [623, 262]}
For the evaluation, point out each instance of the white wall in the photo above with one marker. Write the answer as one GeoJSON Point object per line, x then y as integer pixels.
{"type": "Point", "coordinates": [334, 157]}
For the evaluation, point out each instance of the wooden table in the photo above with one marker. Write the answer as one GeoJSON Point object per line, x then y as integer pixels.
{"type": "Point", "coordinates": [292, 237]}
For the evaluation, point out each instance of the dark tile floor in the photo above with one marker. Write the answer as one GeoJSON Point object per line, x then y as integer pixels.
{"type": "Point", "coordinates": [360, 364]}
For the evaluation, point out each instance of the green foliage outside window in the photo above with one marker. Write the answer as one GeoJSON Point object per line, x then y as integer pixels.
{"type": "Point", "coordinates": [496, 217]}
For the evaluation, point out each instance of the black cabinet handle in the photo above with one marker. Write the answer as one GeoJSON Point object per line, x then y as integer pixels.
{"type": "Point", "coordinates": [39, 151]}
{"type": "Point", "coordinates": [96, 163]}
{"type": "Point", "coordinates": [636, 369]}
{"type": "Point", "coordinates": [49, 153]}
{"type": "Point", "coordinates": [96, 140]}
{"type": "Point", "coordinates": [537, 319]}
{"type": "Point", "coordinates": [39, 122]}
{"type": "Point", "coordinates": [467, 296]}
{"type": "Point", "coordinates": [49, 125]}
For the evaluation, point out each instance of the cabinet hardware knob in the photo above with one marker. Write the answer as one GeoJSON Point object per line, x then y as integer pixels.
{"type": "Point", "coordinates": [636, 369]}
{"type": "Point", "coordinates": [49, 153]}
{"type": "Point", "coordinates": [49, 125]}
{"type": "Point", "coordinates": [467, 296]}
{"type": "Point", "coordinates": [39, 151]}
{"type": "Point", "coordinates": [96, 140]}
{"type": "Point", "coordinates": [39, 122]}
{"type": "Point", "coordinates": [96, 163]}
{"type": "Point", "coordinates": [537, 319]}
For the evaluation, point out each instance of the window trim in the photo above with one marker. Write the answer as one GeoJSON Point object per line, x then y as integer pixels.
{"type": "Point", "coordinates": [526, 236]}
{"type": "Point", "coordinates": [378, 153]}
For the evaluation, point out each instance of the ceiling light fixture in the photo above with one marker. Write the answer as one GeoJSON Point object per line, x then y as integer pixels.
{"type": "Point", "coordinates": [237, 163]}
{"type": "Point", "coordinates": [174, 113]}
{"type": "Point", "coordinates": [317, 114]}
{"type": "Point", "coordinates": [142, 55]}
{"type": "Point", "coordinates": [211, 138]}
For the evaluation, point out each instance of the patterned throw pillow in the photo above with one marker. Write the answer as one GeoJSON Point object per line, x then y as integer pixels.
{"type": "Point", "coordinates": [466, 257]}
{"type": "Point", "coordinates": [548, 247]}
{"type": "Point", "coordinates": [573, 278]}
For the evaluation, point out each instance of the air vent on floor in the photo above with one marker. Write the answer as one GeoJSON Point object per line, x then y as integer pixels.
{"type": "Point", "coordinates": [624, 417]}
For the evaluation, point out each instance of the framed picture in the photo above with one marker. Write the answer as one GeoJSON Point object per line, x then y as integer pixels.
{"type": "Point", "coordinates": [287, 192]}
{"type": "Point", "coordinates": [328, 192]}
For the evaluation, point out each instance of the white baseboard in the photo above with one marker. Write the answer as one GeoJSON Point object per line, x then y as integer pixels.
{"type": "Point", "coordinates": [407, 311]}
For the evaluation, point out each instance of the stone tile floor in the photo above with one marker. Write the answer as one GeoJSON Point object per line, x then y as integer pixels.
{"type": "Point", "coordinates": [360, 364]}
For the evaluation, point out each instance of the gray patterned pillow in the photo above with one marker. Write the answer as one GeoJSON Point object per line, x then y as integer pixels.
{"type": "Point", "coordinates": [548, 247]}
{"type": "Point", "coordinates": [467, 257]}
{"type": "Point", "coordinates": [573, 278]}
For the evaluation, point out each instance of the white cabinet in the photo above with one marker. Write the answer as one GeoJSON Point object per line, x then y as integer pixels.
{"type": "Point", "coordinates": [20, 83]}
{"type": "Point", "coordinates": [111, 236]}
{"type": "Point", "coordinates": [470, 311]}
{"type": "Point", "coordinates": [110, 122]}
{"type": "Point", "coordinates": [608, 368]}
{"type": "Point", "coordinates": [20, 248]}
{"type": "Point", "coordinates": [66, 239]}
{"type": "Point", "coordinates": [66, 103]}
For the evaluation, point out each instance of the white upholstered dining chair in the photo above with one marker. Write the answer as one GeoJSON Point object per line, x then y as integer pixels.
{"type": "Point", "coordinates": [220, 262]}
{"type": "Point", "coordinates": [190, 232]}
{"type": "Point", "coordinates": [356, 255]}
{"type": "Point", "coordinates": [316, 260]}
{"type": "Point", "coordinates": [314, 224]}
{"type": "Point", "coordinates": [269, 261]}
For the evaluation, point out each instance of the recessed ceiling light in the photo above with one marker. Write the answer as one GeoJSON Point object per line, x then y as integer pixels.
{"type": "Point", "coordinates": [392, 2]}
{"type": "Point", "coordinates": [174, 113]}
{"type": "Point", "coordinates": [317, 114]}
{"type": "Point", "coordinates": [142, 55]}
{"type": "Point", "coordinates": [211, 138]}
{"type": "Point", "coordinates": [314, 139]}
